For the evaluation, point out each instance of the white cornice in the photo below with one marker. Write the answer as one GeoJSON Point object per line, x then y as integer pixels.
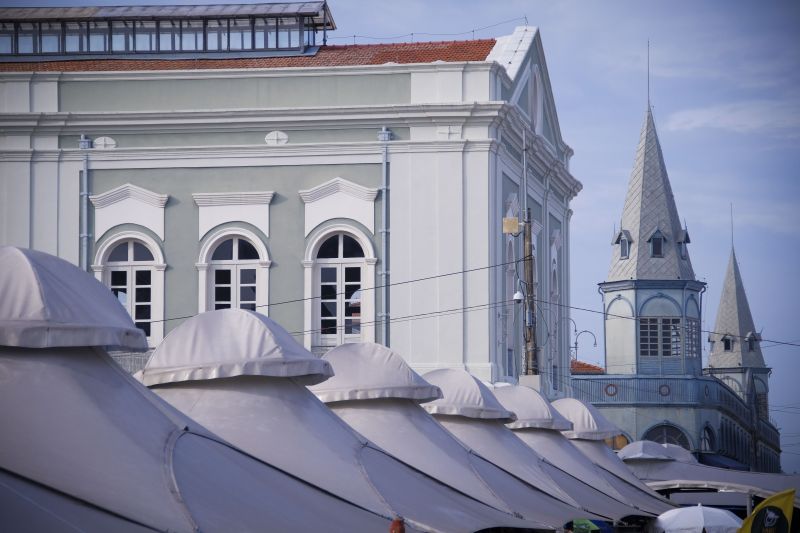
{"type": "Point", "coordinates": [207, 199]}
{"type": "Point", "coordinates": [338, 185]}
{"type": "Point", "coordinates": [126, 191]}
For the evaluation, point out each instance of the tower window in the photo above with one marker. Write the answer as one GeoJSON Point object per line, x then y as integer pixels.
{"type": "Point", "coordinates": [657, 247]}
{"type": "Point", "coordinates": [751, 344]}
{"type": "Point", "coordinates": [624, 248]}
{"type": "Point", "coordinates": [660, 337]}
{"type": "Point", "coordinates": [727, 344]}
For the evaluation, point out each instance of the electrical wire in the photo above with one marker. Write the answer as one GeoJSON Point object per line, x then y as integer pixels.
{"type": "Point", "coordinates": [428, 34]}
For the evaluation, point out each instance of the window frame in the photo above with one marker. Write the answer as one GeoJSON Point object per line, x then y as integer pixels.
{"type": "Point", "coordinates": [664, 342]}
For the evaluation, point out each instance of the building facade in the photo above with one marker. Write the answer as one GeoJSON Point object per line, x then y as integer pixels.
{"type": "Point", "coordinates": [202, 157]}
{"type": "Point", "coordinates": [654, 386]}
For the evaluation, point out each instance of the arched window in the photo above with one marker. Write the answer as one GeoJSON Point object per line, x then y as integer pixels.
{"type": "Point", "coordinates": [708, 441]}
{"type": "Point", "coordinates": [667, 434]}
{"type": "Point", "coordinates": [233, 275]}
{"type": "Point", "coordinates": [339, 285]}
{"type": "Point", "coordinates": [131, 266]}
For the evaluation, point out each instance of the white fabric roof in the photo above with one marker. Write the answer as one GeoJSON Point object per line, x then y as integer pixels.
{"type": "Point", "coordinates": [464, 395]}
{"type": "Point", "coordinates": [621, 477]}
{"type": "Point", "coordinates": [366, 371]}
{"type": "Point", "coordinates": [587, 422]}
{"type": "Point", "coordinates": [647, 449]}
{"type": "Point", "coordinates": [532, 409]}
{"type": "Point", "coordinates": [47, 302]}
{"type": "Point", "coordinates": [569, 467]}
{"type": "Point", "coordinates": [87, 429]}
{"type": "Point", "coordinates": [697, 519]}
{"type": "Point", "coordinates": [252, 344]}
{"type": "Point", "coordinates": [281, 422]}
{"type": "Point", "coordinates": [682, 474]}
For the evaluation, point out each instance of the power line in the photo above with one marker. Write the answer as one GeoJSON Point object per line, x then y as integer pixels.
{"type": "Point", "coordinates": [427, 34]}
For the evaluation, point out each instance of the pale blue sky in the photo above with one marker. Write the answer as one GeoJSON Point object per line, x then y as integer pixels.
{"type": "Point", "coordinates": [724, 87]}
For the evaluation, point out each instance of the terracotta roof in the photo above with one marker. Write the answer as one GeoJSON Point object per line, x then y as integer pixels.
{"type": "Point", "coordinates": [582, 367]}
{"type": "Point", "coordinates": [327, 56]}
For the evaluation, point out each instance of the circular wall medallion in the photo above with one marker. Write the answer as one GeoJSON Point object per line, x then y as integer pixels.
{"type": "Point", "coordinates": [664, 390]}
{"type": "Point", "coordinates": [104, 143]}
{"type": "Point", "coordinates": [611, 390]}
{"type": "Point", "coordinates": [276, 137]}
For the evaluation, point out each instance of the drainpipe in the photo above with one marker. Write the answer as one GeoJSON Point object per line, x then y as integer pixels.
{"type": "Point", "coordinates": [384, 136]}
{"type": "Point", "coordinates": [84, 144]}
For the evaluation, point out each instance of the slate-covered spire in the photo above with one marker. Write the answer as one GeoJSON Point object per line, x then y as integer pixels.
{"type": "Point", "coordinates": [650, 214]}
{"type": "Point", "coordinates": [734, 323]}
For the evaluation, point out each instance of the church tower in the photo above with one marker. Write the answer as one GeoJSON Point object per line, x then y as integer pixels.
{"type": "Point", "coordinates": [651, 297]}
{"type": "Point", "coordinates": [736, 356]}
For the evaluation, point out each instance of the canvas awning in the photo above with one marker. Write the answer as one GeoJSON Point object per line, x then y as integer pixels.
{"type": "Point", "coordinates": [476, 418]}
{"type": "Point", "coordinates": [280, 421]}
{"type": "Point", "coordinates": [589, 428]}
{"type": "Point", "coordinates": [401, 427]}
{"type": "Point", "coordinates": [680, 470]}
{"type": "Point", "coordinates": [563, 461]}
{"type": "Point", "coordinates": [84, 440]}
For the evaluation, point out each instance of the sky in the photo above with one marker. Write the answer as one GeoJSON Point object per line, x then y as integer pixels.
{"type": "Point", "coordinates": [724, 78]}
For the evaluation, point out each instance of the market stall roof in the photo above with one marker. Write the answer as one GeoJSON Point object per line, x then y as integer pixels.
{"type": "Point", "coordinates": [252, 345]}
{"type": "Point", "coordinates": [649, 450]}
{"type": "Point", "coordinates": [587, 422]}
{"type": "Point", "coordinates": [89, 441]}
{"type": "Point", "coordinates": [401, 427]}
{"type": "Point", "coordinates": [531, 408]}
{"type": "Point", "coordinates": [47, 302]}
{"type": "Point", "coordinates": [475, 417]}
{"type": "Point", "coordinates": [278, 420]}
{"type": "Point", "coordinates": [566, 464]}
{"type": "Point", "coordinates": [682, 471]}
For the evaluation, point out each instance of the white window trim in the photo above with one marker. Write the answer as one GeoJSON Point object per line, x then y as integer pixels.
{"type": "Point", "coordinates": [368, 287]}
{"type": "Point", "coordinates": [262, 270]}
{"type": "Point", "coordinates": [100, 269]}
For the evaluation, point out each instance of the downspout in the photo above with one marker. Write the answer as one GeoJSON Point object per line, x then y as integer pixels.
{"type": "Point", "coordinates": [84, 144]}
{"type": "Point", "coordinates": [384, 136]}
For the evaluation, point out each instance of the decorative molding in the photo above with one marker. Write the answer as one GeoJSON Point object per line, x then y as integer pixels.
{"type": "Point", "coordinates": [123, 192]}
{"type": "Point", "coordinates": [336, 185]}
{"type": "Point", "coordinates": [129, 204]}
{"type": "Point", "coordinates": [207, 199]}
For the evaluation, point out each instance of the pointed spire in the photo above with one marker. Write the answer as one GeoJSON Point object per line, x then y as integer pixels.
{"type": "Point", "coordinates": [650, 211]}
{"type": "Point", "coordinates": [734, 322]}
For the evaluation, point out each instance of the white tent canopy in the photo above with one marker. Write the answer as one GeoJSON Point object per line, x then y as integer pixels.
{"type": "Point", "coordinates": [531, 408]}
{"type": "Point", "coordinates": [280, 421]}
{"type": "Point", "coordinates": [697, 519]}
{"type": "Point", "coordinates": [475, 417]}
{"type": "Point", "coordinates": [84, 440]}
{"type": "Point", "coordinates": [587, 427]}
{"type": "Point", "coordinates": [676, 468]}
{"type": "Point", "coordinates": [395, 422]}
{"type": "Point", "coordinates": [563, 461]}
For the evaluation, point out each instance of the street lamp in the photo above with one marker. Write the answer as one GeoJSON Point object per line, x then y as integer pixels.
{"type": "Point", "coordinates": [575, 347]}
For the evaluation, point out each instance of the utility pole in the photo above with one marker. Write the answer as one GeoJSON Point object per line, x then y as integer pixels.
{"type": "Point", "coordinates": [531, 349]}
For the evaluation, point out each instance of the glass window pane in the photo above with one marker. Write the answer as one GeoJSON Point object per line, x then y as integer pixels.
{"type": "Point", "coordinates": [241, 36]}
{"type": "Point", "coordinates": [142, 312]}
{"type": "Point", "coordinates": [222, 294]}
{"type": "Point", "coordinates": [119, 277]}
{"type": "Point", "coordinates": [247, 250]}
{"type": "Point", "coordinates": [351, 309]}
{"type": "Point", "coordinates": [328, 292]}
{"type": "Point", "coordinates": [327, 309]}
{"type": "Point", "coordinates": [144, 326]}
{"type": "Point", "coordinates": [265, 30]}
{"type": "Point", "coordinates": [142, 295]}
{"type": "Point", "coordinates": [119, 253]}
{"type": "Point", "coordinates": [328, 275]}
{"type": "Point", "coordinates": [27, 39]}
{"type": "Point", "coordinates": [143, 277]}
{"type": "Point", "coordinates": [222, 306]}
{"type": "Point", "coordinates": [288, 33]}
{"type": "Point", "coordinates": [168, 35]}
{"type": "Point", "coordinates": [351, 248]}
{"type": "Point", "coordinates": [98, 37]}
{"type": "Point", "coordinates": [191, 35]}
{"type": "Point", "coordinates": [51, 37]}
{"type": "Point", "coordinates": [328, 327]}
{"type": "Point", "coordinates": [249, 307]}
{"type": "Point", "coordinates": [122, 36]}
{"type": "Point", "coordinates": [222, 277]}
{"type": "Point", "coordinates": [352, 290]}
{"type": "Point", "coordinates": [145, 36]}
{"type": "Point", "coordinates": [247, 294]}
{"type": "Point", "coordinates": [217, 35]}
{"type": "Point", "coordinates": [6, 37]}
{"type": "Point", "coordinates": [224, 251]}
{"type": "Point", "coordinates": [329, 248]}
{"type": "Point", "coordinates": [247, 275]}
{"type": "Point", "coordinates": [141, 253]}
{"type": "Point", "coordinates": [76, 37]}
{"type": "Point", "coordinates": [352, 274]}
{"type": "Point", "coordinates": [352, 326]}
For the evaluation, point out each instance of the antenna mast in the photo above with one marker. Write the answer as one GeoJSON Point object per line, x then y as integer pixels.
{"type": "Point", "coordinates": [648, 73]}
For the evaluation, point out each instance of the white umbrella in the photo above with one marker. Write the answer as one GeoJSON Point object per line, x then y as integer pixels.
{"type": "Point", "coordinates": [697, 519]}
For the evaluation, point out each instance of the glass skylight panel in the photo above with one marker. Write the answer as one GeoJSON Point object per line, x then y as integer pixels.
{"type": "Point", "coordinates": [145, 33]}
{"type": "Point", "coordinates": [191, 35]}
{"type": "Point", "coordinates": [27, 39]}
{"type": "Point", "coordinates": [98, 37]}
{"type": "Point", "coordinates": [241, 35]}
{"type": "Point", "coordinates": [169, 34]}
{"type": "Point", "coordinates": [6, 37]}
{"type": "Point", "coordinates": [122, 36]}
{"type": "Point", "coordinates": [51, 37]}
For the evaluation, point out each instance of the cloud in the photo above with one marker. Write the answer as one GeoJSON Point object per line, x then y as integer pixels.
{"type": "Point", "coordinates": [740, 117]}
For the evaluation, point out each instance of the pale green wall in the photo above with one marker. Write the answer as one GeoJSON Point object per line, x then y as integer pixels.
{"type": "Point", "coordinates": [234, 93]}
{"type": "Point", "coordinates": [286, 243]}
